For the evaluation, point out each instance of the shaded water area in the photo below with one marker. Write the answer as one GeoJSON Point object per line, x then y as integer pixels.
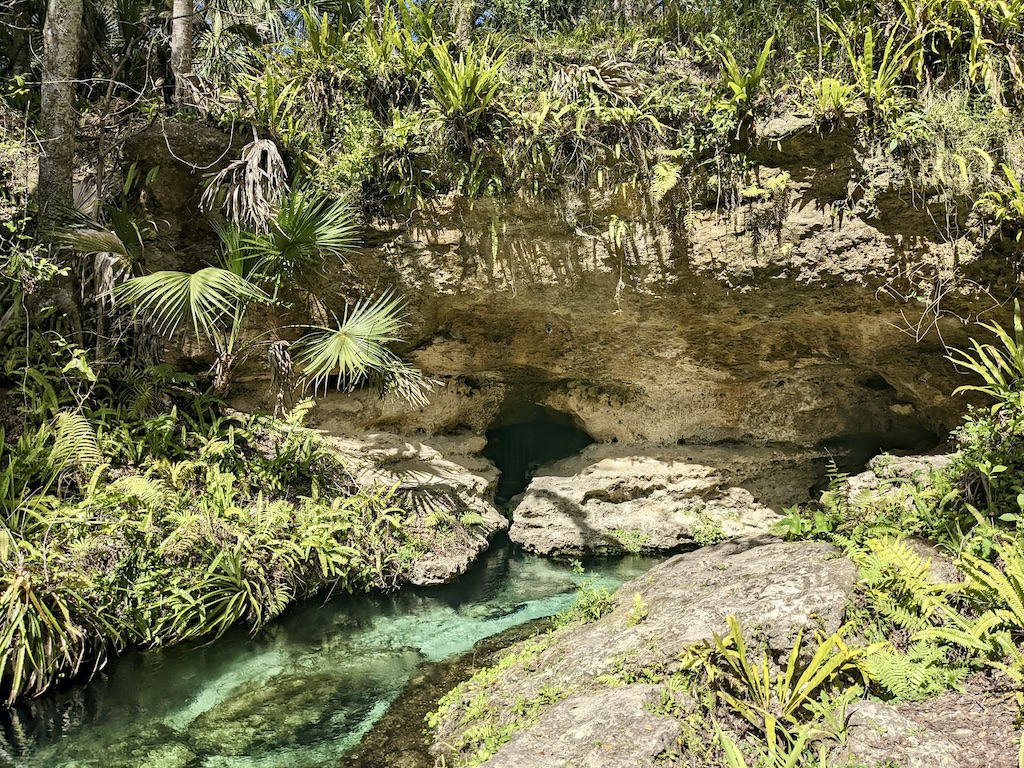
{"type": "Point", "coordinates": [303, 691]}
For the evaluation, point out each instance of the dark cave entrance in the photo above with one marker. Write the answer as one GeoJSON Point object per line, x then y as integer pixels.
{"type": "Point", "coordinates": [852, 452]}
{"type": "Point", "coordinates": [526, 436]}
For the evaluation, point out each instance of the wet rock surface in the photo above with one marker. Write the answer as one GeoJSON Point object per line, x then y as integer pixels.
{"type": "Point", "coordinates": [397, 740]}
{"type": "Point", "coordinates": [613, 497]}
{"type": "Point", "coordinates": [283, 712]}
{"type": "Point", "coordinates": [772, 588]}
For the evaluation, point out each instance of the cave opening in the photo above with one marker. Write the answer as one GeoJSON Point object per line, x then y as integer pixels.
{"type": "Point", "coordinates": [852, 452]}
{"type": "Point", "coordinates": [526, 436]}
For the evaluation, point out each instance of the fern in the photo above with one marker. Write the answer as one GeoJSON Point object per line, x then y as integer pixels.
{"type": "Point", "coordinates": [74, 443]}
{"type": "Point", "coordinates": [666, 176]}
{"type": "Point", "coordinates": [151, 493]}
{"type": "Point", "coordinates": [898, 584]}
{"type": "Point", "coordinates": [919, 672]}
{"type": "Point", "coordinates": [439, 517]}
{"type": "Point", "coordinates": [997, 594]}
{"type": "Point", "coordinates": [1001, 590]}
{"type": "Point", "coordinates": [834, 499]}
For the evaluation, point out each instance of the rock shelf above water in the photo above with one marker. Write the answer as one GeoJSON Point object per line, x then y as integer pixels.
{"type": "Point", "coordinates": [613, 497]}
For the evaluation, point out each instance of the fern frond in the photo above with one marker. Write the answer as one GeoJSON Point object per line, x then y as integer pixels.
{"type": "Point", "coordinates": [74, 443]}
{"type": "Point", "coordinates": [666, 176]}
{"type": "Point", "coordinates": [916, 674]}
{"type": "Point", "coordinates": [151, 493]}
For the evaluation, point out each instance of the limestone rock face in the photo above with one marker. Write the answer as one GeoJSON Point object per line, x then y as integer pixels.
{"type": "Point", "coordinates": [429, 483]}
{"type": "Point", "coordinates": [889, 476]}
{"type": "Point", "coordinates": [617, 497]}
{"type": "Point", "coordinates": [766, 584]}
{"type": "Point", "coordinates": [606, 729]}
{"type": "Point", "coordinates": [732, 328]}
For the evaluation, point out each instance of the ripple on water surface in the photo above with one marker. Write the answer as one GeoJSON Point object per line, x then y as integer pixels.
{"type": "Point", "coordinates": [298, 695]}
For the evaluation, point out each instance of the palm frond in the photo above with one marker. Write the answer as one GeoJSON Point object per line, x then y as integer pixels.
{"type": "Point", "coordinates": [203, 299]}
{"type": "Point", "coordinates": [92, 240]}
{"type": "Point", "coordinates": [307, 227]}
{"type": "Point", "coordinates": [355, 350]}
{"type": "Point", "coordinates": [249, 188]}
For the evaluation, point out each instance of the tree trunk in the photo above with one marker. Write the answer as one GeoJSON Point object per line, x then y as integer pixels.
{"type": "Point", "coordinates": [463, 10]}
{"type": "Point", "coordinates": [182, 12]}
{"type": "Point", "coordinates": [59, 117]}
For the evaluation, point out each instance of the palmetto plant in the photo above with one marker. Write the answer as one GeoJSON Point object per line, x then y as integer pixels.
{"type": "Point", "coordinates": [305, 229]}
{"type": "Point", "coordinates": [249, 188]}
{"type": "Point", "coordinates": [254, 267]}
{"type": "Point", "coordinates": [355, 350]}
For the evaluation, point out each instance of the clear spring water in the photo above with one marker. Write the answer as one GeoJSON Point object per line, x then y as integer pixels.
{"type": "Point", "coordinates": [298, 695]}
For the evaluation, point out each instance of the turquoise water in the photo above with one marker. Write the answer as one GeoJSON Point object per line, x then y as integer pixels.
{"type": "Point", "coordinates": [298, 695]}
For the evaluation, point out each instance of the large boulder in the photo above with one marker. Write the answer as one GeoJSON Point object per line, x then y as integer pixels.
{"type": "Point", "coordinates": [969, 729]}
{"type": "Point", "coordinates": [772, 587]}
{"type": "Point", "coordinates": [893, 479]}
{"type": "Point", "coordinates": [442, 490]}
{"type": "Point", "coordinates": [880, 735]}
{"type": "Point", "coordinates": [613, 497]}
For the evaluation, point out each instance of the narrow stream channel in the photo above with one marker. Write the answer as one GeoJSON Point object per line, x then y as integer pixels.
{"type": "Point", "coordinates": [302, 692]}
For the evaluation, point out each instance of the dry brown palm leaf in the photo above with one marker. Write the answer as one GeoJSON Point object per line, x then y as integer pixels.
{"type": "Point", "coordinates": [602, 75]}
{"type": "Point", "coordinates": [249, 188]}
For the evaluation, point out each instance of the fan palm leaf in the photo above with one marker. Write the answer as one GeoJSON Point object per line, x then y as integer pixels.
{"type": "Point", "coordinates": [203, 299]}
{"type": "Point", "coordinates": [355, 350]}
{"type": "Point", "coordinates": [356, 345]}
{"type": "Point", "coordinates": [307, 228]}
{"type": "Point", "coordinates": [93, 240]}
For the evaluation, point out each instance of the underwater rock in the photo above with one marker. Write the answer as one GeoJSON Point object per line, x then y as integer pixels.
{"type": "Point", "coordinates": [280, 712]}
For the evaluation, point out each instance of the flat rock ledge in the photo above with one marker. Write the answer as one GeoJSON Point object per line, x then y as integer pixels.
{"type": "Point", "coordinates": [659, 498]}
{"type": "Point", "coordinates": [445, 476]}
{"type": "Point", "coordinates": [773, 588]}
{"type": "Point", "coordinates": [880, 735]}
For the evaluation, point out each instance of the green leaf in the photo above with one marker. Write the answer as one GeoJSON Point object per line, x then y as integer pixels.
{"type": "Point", "coordinates": [203, 299]}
